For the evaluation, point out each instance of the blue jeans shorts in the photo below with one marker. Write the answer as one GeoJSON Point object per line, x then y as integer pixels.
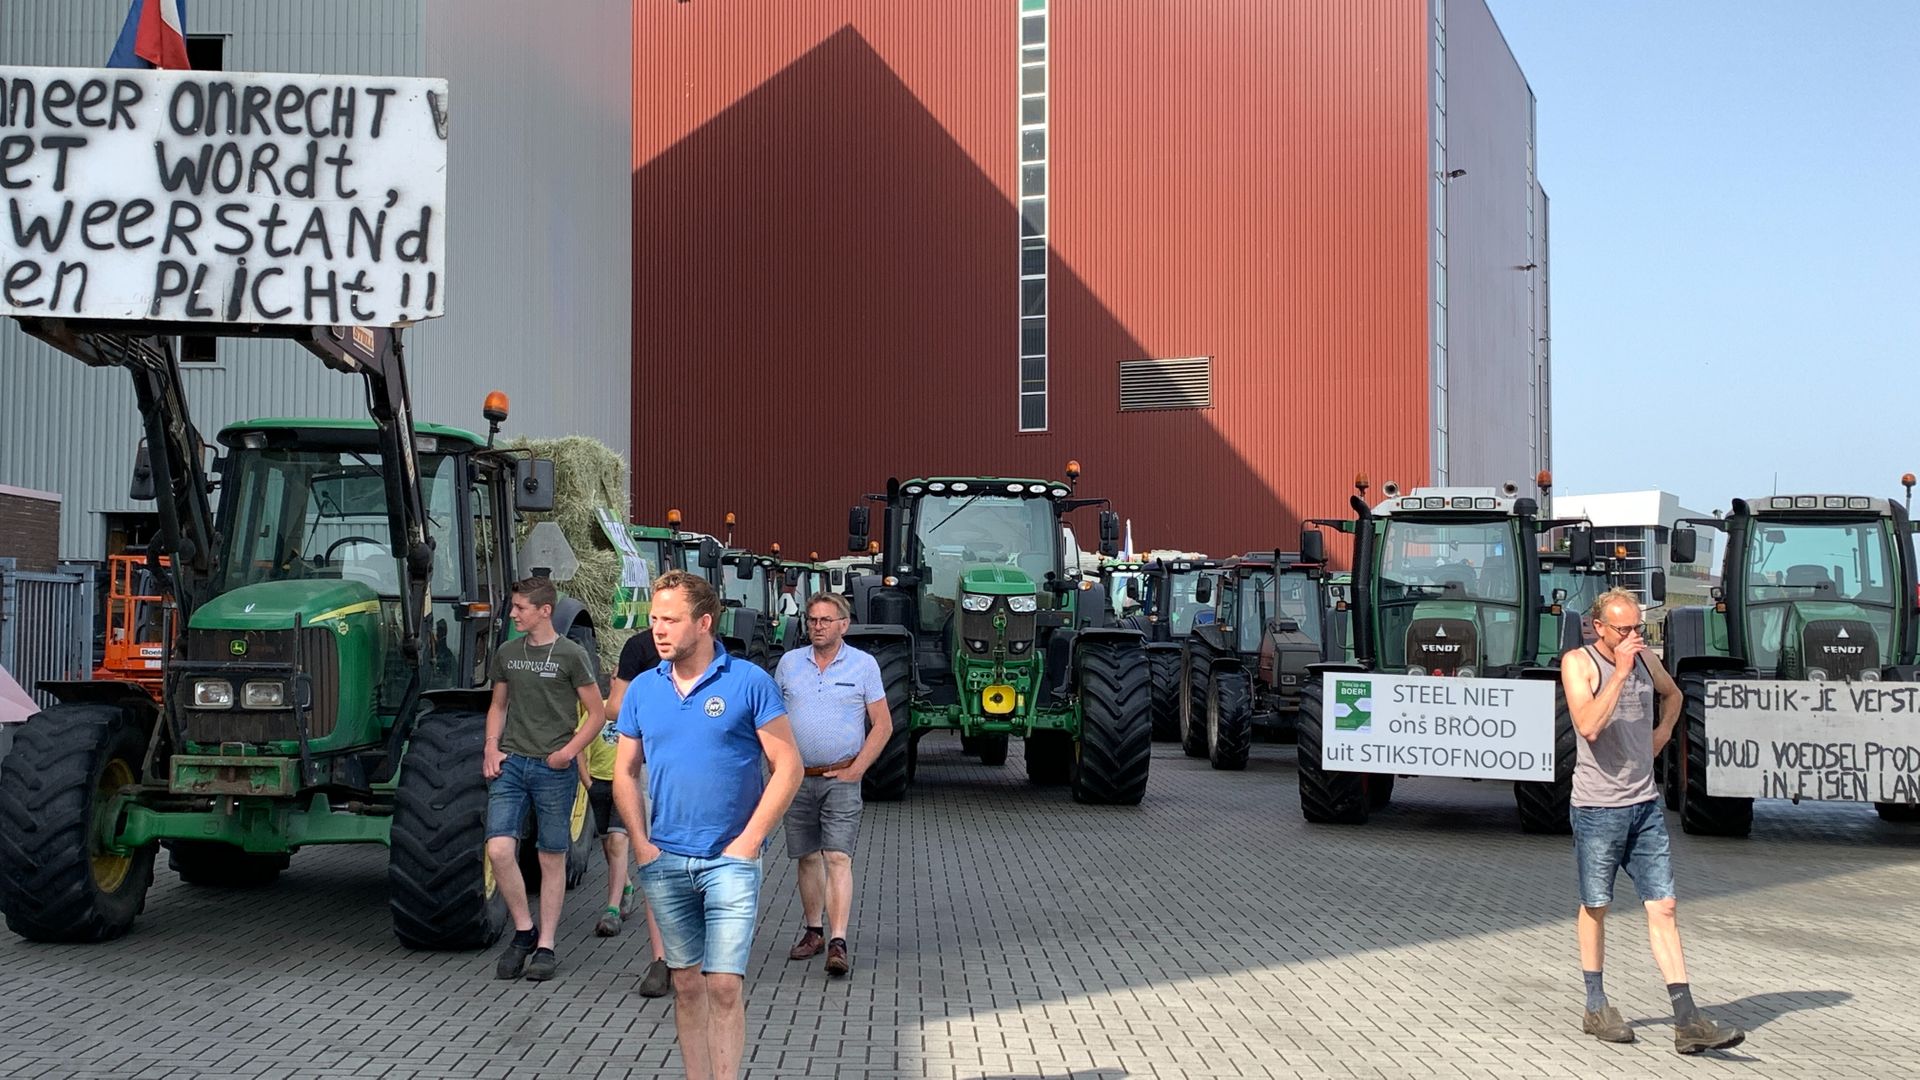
{"type": "Point", "coordinates": [1608, 839]}
{"type": "Point", "coordinates": [529, 782]}
{"type": "Point", "coordinates": [706, 909]}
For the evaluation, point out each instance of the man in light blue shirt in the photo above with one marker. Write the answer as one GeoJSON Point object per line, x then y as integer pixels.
{"type": "Point", "coordinates": [837, 702]}
{"type": "Point", "coordinates": [701, 722]}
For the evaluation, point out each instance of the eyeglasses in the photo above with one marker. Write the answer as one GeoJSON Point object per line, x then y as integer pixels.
{"type": "Point", "coordinates": [827, 620]}
{"type": "Point", "coordinates": [1623, 631]}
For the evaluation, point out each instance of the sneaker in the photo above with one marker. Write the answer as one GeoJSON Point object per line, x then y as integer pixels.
{"type": "Point", "coordinates": [837, 962]}
{"type": "Point", "coordinates": [543, 966]}
{"type": "Point", "coordinates": [609, 924]}
{"type": "Point", "coordinates": [657, 981]}
{"type": "Point", "coordinates": [629, 902]}
{"type": "Point", "coordinates": [1607, 1026]}
{"type": "Point", "coordinates": [1701, 1033]}
{"type": "Point", "coordinates": [808, 946]}
{"type": "Point", "coordinates": [513, 959]}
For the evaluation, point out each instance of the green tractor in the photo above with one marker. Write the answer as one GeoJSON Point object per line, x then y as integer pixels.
{"type": "Point", "coordinates": [974, 620]}
{"type": "Point", "coordinates": [329, 683]}
{"type": "Point", "coordinates": [1445, 583]}
{"type": "Point", "coordinates": [1814, 589]}
{"type": "Point", "coordinates": [1567, 620]}
{"type": "Point", "coordinates": [1243, 668]}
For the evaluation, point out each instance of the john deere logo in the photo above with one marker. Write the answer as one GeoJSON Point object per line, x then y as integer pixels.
{"type": "Point", "coordinates": [238, 646]}
{"type": "Point", "coordinates": [1352, 705]}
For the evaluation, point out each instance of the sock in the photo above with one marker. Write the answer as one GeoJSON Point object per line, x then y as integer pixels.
{"type": "Point", "coordinates": [1596, 994]}
{"type": "Point", "coordinates": [840, 941]}
{"type": "Point", "coordinates": [821, 930]}
{"type": "Point", "coordinates": [527, 936]}
{"type": "Point", "coordinates": [1684, 1009]}
{"type": "Point", "coordinates": [537, 952]}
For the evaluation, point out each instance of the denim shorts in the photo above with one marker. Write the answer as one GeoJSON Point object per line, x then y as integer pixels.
{"type": "Point", "coordinates": [706, 909]}
{"type": "Point", "coordinates": [1607, 839]}
{"type": "Point", "coordinates": [530, 782]}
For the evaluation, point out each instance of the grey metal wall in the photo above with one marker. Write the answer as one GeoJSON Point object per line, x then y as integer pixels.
{"type": "Point", "coordinates": [539, 212]}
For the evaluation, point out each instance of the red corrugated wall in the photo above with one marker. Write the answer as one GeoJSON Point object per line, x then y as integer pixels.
{"type": "Point", "coordinates": [826, 257]}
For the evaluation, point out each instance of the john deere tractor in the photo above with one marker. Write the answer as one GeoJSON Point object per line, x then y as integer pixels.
{"type": "Point", "coordinates": [974, 621]}
{"type": "Point", "coordinates": [1242, 669]}
{"type": "Point", "coordinates": [1446, 583]}
{"type": "Point", "coordinates": [328, 685]}
{"type": "Point", "coordinates": [1814, 588]}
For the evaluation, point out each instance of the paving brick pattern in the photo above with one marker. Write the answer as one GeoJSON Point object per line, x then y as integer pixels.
{"type": "Point", "coordinates": [1002, 931]}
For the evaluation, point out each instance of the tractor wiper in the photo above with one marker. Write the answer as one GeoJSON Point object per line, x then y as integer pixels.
{"type": "Point", "coordinates": [971, 499]}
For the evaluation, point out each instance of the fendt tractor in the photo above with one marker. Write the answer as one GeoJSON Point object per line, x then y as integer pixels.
{"type": "Point", "coordinates": [1445, 584]}
{"type": "Point", "coordinates": [1814, 589]}
{"type": "Point", "coordinates": [328, 685]}
{"type": "Point", "coordinates": [974, 621]}
{"type": "Point", "coordinates": [1242, 669]}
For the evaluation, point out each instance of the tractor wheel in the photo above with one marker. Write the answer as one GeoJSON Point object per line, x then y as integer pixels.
{"type": "Point", "coordinates": [1229, 718]}
{"type": "Point", "coordinates": [1544, 805]}
{"type": "Point", "coordinates": [969, 744]}
{"type": "Point", "coordinates": [56, 883]}
{"type": "Point", "coordinates": [992, 748]}
{"type": "Point", "coordinates": [1702, 814]}
{"type": "Point", "coordinates": [887, 779]}
{"type": "Point", "coordinates": [1116, 729]}
{"type": "Point", "coordinates": [1197, 667]}
{"type": "Point", "coordinates": [1327, 797]}
{"type": "Point", "coordinates": [1049, 757]}
{"type": "Point", "coordinates": [579, 844]}
{"type": "Point", "coordinates": [440, 884]}
{"type": "Point", "coordinates": [1163, 665]}
{"type": "Point", "coordinates": [1666, 775]}
{"type": "Point", "coordinates": [223, 866]}
{"type": "Point", "coordinates": [1898, 813]}
{"type": "Point", "coordinates": [1379, 790]}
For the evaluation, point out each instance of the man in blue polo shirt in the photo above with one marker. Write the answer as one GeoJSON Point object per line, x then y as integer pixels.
{"type": "Point", "coordinates": [701, 722]}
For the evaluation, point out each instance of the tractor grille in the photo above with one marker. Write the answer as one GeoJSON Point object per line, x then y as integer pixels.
{"type": "Point", "coordinates": [1442, 646]}
{"type": "Point", "coordinates": [1843, 648]}
{"type": "Point", "coordinates": [265, 651]}
{"type": "Point", "coordinates": [978, 636]}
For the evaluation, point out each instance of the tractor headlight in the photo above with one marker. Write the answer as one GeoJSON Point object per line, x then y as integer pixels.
{"type": "Point", "coordinates": [1868, 675]}
{"type": "Point", "coordinates": [1416, 670]}
{"type": "Point", "coordinates": [264, 695]}
{"type": "Point", "coordinates": [1466, 673]}
{"type": "Point", "coordinates": [976, 602]}
{"type": "Point", "coordinates": [1023, 605]}
{"type": "Point", "coordinates": [212, 694]}
{"type": "Point", "coordinates": [1817, 674]}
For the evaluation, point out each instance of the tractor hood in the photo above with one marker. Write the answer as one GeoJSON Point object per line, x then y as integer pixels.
{"type": "Point", "coordinates": [997, 581]}
{"type": "Point", "coordinates": [272, 605]}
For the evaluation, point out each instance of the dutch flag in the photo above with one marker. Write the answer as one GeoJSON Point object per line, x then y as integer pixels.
{"type": "Point", "coordinates": [155, 35]}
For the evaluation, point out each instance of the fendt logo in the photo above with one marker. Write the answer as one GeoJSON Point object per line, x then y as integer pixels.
{"type": "Point", "coordinates": [1844, 650]}
{"type": "Point", "coordinates": [1427, 646]}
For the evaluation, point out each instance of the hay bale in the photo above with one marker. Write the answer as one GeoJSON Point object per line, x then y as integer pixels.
{"type": "Point", "coordinates": [588, 474]}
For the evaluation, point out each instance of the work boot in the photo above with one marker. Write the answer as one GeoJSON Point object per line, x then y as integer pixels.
{"type": "Point", "coordinates": [543, 966]}
{"type": "Point", "coordinates": [513, 958]}
{"type": "Point", "coordinates": [657, 981]}
{"type": "Point", "coordinates": [837, 962]}
{"type": "Point", "coordinates": [808, 946]}
{"type": "Point", "coordinates": [1701, 1033]}
{"type": "Point", "coordinates": [1607, 1026]}
{"type": "Point", "coordinates": [609, 924]}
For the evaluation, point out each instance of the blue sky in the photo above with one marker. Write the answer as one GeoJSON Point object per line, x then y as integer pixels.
{"type": "Point", "coordinates": [1735, 226]}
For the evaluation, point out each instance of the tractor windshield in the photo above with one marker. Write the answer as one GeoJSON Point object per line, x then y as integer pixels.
{"type": "Point", "coordinates": [1582, 587]}
{"type": "Point", "coordinates": [1181, 602]}
{"type": "Point", "coordinates": [1299, 599]}
{"type": "Point", "coordinates": [1801, 570]}
{"type": "Point", "coordinates": [1450, 569]}
{"type": "Point", "coordinates": [953, 533]}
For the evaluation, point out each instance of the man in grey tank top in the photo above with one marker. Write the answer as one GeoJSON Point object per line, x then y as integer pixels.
{"type": "Point", "coordinates": [1611, 689]}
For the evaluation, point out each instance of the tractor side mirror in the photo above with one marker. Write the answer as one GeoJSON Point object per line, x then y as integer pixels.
{"type": "Point", "coordinates": [1684, 547]}
{"type": "Point", "coordinates": [857, 527]}
{"type": "Point", "coordinates": [1580, 547]}
{"type": "Point", "coordinates": [709, 554]}
{"type": "Point", "coordinates": [533, 485]}
{"type": "Point", "coordinates": [1559, 597]}
{"type": "Point", "coordinates": [1657, 586]}
{"type": "Point", "coordinates": [744, 570]}
{"type": "Point", "coordinates": [1203, 591]}
{"type": "Point", "coordinates": [1109, 533]}
{"type": "Point", "coordinates": [1133, 589]}
{"type": "Point", "coordinates": [792, 578]}
{"type": "Point", "coordinates": [1313, 545]}
{"type": "Point", "coordinates": [141, 490]}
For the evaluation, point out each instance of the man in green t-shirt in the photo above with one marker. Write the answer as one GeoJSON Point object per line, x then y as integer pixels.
{"type": "Point", "coordinates": [540, 681]}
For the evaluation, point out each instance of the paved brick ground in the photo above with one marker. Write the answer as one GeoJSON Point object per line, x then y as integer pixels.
{"type": "Point", "coordinates": [1002, 931]}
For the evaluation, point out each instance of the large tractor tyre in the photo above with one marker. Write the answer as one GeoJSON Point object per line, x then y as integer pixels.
{"type": "Point", "coordinates": [1116, 728]}
{"type": "Point", "coordinates": [440, 885]}
{"type": "Point", "coordinates": [1229, 718]}
{"type": "Point", "coordinates": [1702, 814]}
{"type": "Point", "coordinates": [1327, 797]}
{"type": "Point", "coordinates": [56, 882]}
{"type": "Point", "coordinates": [1667, 774]}
{"type": "Point", "coordinates": [223, 866]}
{"type": "Point", "coordinates": [970, 744]}
{"type": "Point", "coordinates": [992, 748]}
{"type": "Point", "coordinates": [1163, 666]}
{"type": "Point", "coordinates": [1197, 670]}
{"type": "Point", "coordinates": [1049, 758]}
{"type": "Point", "coordinates": [1898, 813]}
{"type": "Point", "coordinates": [1379, 790]}
{"type": "Point", "coordinates": [892, 771]}
{"type": "Point", "coordinates": [579, 844]}
{"type": "Point", "coordinates": [1544, 806]}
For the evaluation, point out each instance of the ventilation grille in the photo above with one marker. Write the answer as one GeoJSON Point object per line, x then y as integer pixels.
{"type": "Point", "coordinates": [1166, 384]}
